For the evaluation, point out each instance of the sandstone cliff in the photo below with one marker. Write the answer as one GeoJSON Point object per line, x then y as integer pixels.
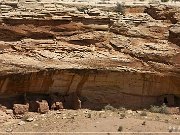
{"type": "Point", "coordinates": [104, 57]}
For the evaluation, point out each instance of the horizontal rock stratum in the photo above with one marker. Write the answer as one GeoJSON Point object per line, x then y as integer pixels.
{"type": "Point", "coordinates": [104, 57]}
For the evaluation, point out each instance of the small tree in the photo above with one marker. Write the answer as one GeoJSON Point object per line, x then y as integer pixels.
{"type": "Point", "coordinates": [120, 8]}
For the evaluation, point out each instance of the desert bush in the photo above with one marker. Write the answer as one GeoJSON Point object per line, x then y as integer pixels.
{"type": "Point", "coordinates": [82, 9]}
{"type": "Point", "coordinates": [144, 113]}
{"type": "Point", "coordinates": [120, 8]}
{"type": "Point", "coordinates": [144, 123]}
{"type": "Point", "coordinates": [120, 128]}
{"type": "Point", "coordinates": [175, 0]}
{"type": "Point", "coordinates": [122, 115]}
{"type": "Point", "coordinates": [25, 117]}
{"type": "Point", "coordinates": [154, 2]}
{"type": "Point", "coordinates": [122, 109]}
{"type": "Point", "coordinates": [154, 109]}
{"type": "Point", "coordinates": [109, 107]}
{"type": "Point", "coordinates": [89, 115]}
{"type": "Point", "coordinates": [159, 109]}
{"type": "Point", "coordinates": [164, 0]}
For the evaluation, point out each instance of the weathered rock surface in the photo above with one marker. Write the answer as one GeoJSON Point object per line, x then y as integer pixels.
{"type": "Point", "coordinates": [20, 109]}
{"type": "Point", "coordinates": [102, 57]}
{"type": "Point", "coordinates": [164, 12]}
{"type": "Point", "coordinates": [4, 117]}
{"type": "Point", "coordinates": [174, 34]}
{"type": "Point", "coordinates": [43, 106]}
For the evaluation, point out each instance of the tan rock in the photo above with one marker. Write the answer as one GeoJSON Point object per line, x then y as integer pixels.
{"type": "Point", "coordinates": [43, 106]}
{"type": "Point", "coordinates": [20, 109]}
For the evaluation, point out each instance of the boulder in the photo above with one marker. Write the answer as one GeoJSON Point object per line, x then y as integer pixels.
{"type": "Point", "coordinates": [19, 109]}
{"type": "Point", "coordinates": [57, 106]}
{"type": "Point", "coordinates": [174, 34]}
{"type": "Point", "coordinates": [56, 102]}
{"type": "Point", "coordinates": [3, 117]}
{"type": "Point", "coordinates": [33, 106]}
{"type": "Point", "coordinates": [163, 12]}
{"type": "Point", "coordinates": [43, 106]}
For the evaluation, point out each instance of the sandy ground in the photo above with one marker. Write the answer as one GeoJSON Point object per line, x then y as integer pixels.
{"type": "Point", "coordinates": [92, 122]}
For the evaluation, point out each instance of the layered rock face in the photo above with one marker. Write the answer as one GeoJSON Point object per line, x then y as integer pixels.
{"type": "Point", "coordinates": [163, 12]}
{"type": "Point", "coordinates": [105, 58]}
{"type": "Point", "coordinates": [174, 34]}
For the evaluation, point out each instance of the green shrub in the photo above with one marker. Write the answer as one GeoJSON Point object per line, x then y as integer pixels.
{"type": "Point", "coordinates": [159, 109]}
{"type": "Point", "coordinates": [120, 8]}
